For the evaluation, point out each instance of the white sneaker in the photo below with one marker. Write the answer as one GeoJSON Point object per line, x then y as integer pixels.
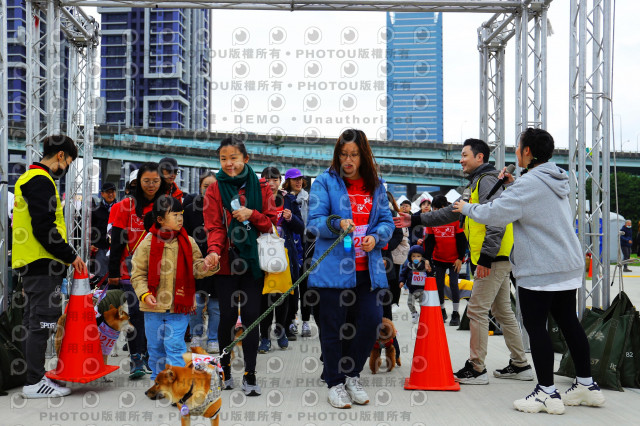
{"type": "Point", "coordinates": [338, 397]}
{"type": "Point", "coordinates": [538, 401]}
{"type": "Point", "coordinates": [583, 395]}
{"type": "Point", "coordinates": [213, 347]}
{"type": "Point", "coordinates": [415, 317]}
{"type": "Point", "coordinates": [45, 388]}
{"type": "Point", "coordinates": [356, 391]}
{"type": "Point", "coordinates": [196, 341]}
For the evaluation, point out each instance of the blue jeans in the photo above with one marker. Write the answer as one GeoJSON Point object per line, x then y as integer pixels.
{"type": "Point", "coordinates": [349, 320]}
{"type": "Point", "coordinates": [165, 339]}
{"type": "Point", "coordinates": [213, 315]}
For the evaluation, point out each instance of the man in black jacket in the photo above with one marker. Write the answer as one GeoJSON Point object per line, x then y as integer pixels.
{"type": "Point", "coordinates": [99, 222]}
{"type": "Point", "coordinates": [40, 255]}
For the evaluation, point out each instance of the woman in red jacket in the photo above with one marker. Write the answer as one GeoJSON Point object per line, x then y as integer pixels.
{"type": "Point", "coordinates": [127, 233]}
{"type": "Point", "coordinates": [232, 234]}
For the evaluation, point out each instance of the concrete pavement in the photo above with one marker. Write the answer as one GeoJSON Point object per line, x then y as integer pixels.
{"type": "Point", "coordinates": [294, 395]}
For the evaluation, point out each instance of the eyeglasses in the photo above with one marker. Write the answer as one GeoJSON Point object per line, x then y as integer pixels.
{"type": "Point", "coordinates": [154, 182]}
{"type": "Point", "coordinates": [344, 155]}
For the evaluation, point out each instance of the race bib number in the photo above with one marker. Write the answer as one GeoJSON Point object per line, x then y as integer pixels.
{"type": "Point", "coordinates": [418, 279]}
{"type": "Point", "coordinates": [108, 337]}
{"type": "Point", "coordinates": [358, 236]}
{"type": "Point", "coordinates": [202, 359]}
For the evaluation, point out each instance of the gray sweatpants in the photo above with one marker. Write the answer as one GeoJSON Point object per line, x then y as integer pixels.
{"type": "Point", "coordinates": [41, 312]}
{"type": "Point", "coordinates": [414, 296]}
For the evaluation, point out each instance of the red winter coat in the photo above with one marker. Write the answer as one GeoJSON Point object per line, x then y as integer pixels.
{"type": "Point", "coordinates": [217, 239]}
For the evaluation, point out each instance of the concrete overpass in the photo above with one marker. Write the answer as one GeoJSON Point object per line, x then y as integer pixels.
{"type": "Point", "coordinates": [401, 162]}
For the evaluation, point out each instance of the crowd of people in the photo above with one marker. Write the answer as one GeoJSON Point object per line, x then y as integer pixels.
{"type": "Point", "coordinates": [181, 258]}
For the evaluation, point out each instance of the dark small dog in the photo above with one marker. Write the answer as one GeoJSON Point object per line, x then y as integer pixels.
{"type": "Point", "coordinates": [386, 334]}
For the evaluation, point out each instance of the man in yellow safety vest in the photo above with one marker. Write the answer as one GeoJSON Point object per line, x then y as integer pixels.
{"type": "Point", "coordinates": [40, 255]}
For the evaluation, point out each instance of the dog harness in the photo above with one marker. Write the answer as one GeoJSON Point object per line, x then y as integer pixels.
{"type": "Point", "coordinates": [377, 345]}
{"type": "Point", "coordinates": [215, 390]}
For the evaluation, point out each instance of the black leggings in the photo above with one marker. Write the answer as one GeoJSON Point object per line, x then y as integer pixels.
{"type": "Point", "coordinates": [136, 339]}
{"type": "Point", "coordinates": [441, 272]}
{"type": "Point", "coordinates": [393, 284]}
{"type": "Point", "coordinates": [249, 290]}
{"type": "Point", "coordinates": [535, 307]}
{"type": "Point", "coordinates": [280, 312]}
{"type": "Point", "coordinates": [306, 304]}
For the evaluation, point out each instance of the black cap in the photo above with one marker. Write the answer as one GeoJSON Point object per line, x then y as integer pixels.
{"type": "Point", "coordinates": [108, 186]}
{"type": "Point", "coordinates": [405, 202]}
{"type": "Point", "coordinates": [169, 164]}
{"type": "Point", "coordinates": [271, 172]}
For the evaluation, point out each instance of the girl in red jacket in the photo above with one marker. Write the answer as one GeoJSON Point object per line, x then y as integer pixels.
{"type": "Point", "coordinates": [232, 234]}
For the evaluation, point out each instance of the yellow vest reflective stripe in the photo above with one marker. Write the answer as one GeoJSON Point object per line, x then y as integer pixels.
{"type": "Point", "coordinates": [476, 232]}
{"type": "Point", "coordinates": [26, 248]}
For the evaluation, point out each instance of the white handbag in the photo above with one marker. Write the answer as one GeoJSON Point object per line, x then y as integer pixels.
{"type": "Point", "coordinates": [271, 252]}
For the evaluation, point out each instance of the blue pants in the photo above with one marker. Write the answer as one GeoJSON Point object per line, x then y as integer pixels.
{"type": "Point", "coordinates": [349, 320]}
{"type": "Point", "coordinates": [165, 339]}
{"type": "Point", "coordinates": [213, 315]}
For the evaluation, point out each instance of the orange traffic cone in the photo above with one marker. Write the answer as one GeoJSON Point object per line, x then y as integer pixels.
{"type": "Point", "coordinates": [80, 358]}
{"type": "Point", "coordinates": [431, 367]}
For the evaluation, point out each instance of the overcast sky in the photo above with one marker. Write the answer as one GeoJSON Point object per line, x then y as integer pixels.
{"type": "Point", "coordinates": [298, 98]}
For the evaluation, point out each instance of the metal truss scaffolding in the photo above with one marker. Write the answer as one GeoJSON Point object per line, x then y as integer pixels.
{"type": "Point", "coordinates": [590, 118]}
{"type": "Point", "coordinates": [4, 156]}
{"type": "Point", "coordinates": [529, 26]}
{"type": "Point", "coordinates": [50, 22]}
{"type": "Point", "coordinates": [82, 32]}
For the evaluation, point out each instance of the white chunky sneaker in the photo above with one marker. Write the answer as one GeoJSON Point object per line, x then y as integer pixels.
{"type": "Point", "coordinates": [338, 397]}
{"type": "Point", "coordinates": [584, 395]}
{"type": "Point", "coordinates": [45, 388]}
{"type": "Point", "coordinates": [356, 391]}
{"type": "Point", "coordinates": [538, 401]}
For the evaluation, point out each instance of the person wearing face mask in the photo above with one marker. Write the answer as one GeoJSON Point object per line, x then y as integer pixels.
{"type": "Point", "coordinates": [626, 242]}
{"type": "Point", "coordinates": [41, 255]}
{"type": "Point", "coordinates": [413, 274]}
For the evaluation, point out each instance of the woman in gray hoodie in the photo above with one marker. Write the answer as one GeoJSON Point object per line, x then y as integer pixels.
{"type": "Point", "coordinates": [548, 264]}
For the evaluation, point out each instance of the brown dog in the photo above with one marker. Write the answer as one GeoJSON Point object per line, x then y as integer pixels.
{"type": "Point", "coordinates": [195, 391]}
{"type": "Point", "coordinates": [116, 320]}
{"type": "Point", "coordinates": [386, 334]}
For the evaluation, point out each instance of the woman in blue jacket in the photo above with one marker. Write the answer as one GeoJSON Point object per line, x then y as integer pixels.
{"type": "Point", "coordinates": [349, 280]}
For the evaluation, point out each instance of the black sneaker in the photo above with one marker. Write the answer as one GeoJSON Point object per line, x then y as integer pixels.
{"type": "Point", "coordinates": [455, 319]}
{"type": "Point", "coordinates": [250, 385]}
{"type": "Point", "coordinates": [290, 336]}
{"type": "Point", "coordinates": [512, 371]}
{"type": "Point", "coordinates": [444, 315]}
{"type": "Point", "coordinates": [469, 376]}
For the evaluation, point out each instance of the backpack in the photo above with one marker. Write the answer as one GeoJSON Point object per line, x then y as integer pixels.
{"type": "Point", "coordinates": [13, 366]}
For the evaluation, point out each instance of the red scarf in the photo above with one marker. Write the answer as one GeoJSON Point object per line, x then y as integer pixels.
{"type": "Point", "coordinates": [185, 287]}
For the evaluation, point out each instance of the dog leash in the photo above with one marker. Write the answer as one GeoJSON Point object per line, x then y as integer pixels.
{"type": "Point", "coordinates": [229, 348]}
